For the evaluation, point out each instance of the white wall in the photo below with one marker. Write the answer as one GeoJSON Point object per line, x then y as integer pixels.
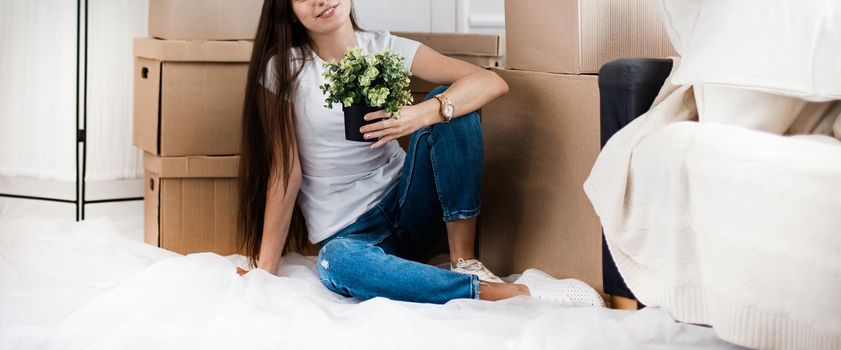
{"type": "Point", "coordinates": [463, 16]}
{"type": "Point", "coordinates": [486, 16]}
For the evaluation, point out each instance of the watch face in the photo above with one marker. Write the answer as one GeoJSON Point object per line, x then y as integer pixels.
{"type": "Point", "coordinates": [448, 110]}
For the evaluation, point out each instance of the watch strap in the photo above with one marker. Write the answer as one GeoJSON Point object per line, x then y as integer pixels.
{"type": "Point", "coordinates": [443, 102]}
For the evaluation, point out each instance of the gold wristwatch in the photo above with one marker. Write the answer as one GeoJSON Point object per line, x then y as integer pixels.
{"type": "Point", "coordinates": [447, 109]}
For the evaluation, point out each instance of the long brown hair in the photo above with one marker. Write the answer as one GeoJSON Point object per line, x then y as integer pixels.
{"type": "Point", "coordinates": [268, 124]}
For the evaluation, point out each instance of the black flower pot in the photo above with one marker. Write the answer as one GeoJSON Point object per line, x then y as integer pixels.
{"type": "Point", "coordinates": [354, 119]}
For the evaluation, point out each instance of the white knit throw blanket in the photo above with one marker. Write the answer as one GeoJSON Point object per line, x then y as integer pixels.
{"type": "Point", "coordinates": [725, 226]}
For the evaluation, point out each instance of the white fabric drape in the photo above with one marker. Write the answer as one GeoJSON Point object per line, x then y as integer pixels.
{"type": "Point", "coordinates": [37, 88]}
{"type": "Point", "coordinates": [725, 226]}
{"type": "Point", "coordinates": [113, 26]}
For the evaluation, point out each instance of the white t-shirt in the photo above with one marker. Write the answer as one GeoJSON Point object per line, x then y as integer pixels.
{"type": "Point", "coordinates": [341, 179]}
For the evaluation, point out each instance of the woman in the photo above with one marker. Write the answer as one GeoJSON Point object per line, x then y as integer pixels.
{"type": "Point", "coordinates": [376, 210]}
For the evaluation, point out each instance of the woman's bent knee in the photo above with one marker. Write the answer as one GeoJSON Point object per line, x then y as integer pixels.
{"type": "Point", "coordinates": [330, 253]}
{"type": "Point", "coordinates": [342, 263]}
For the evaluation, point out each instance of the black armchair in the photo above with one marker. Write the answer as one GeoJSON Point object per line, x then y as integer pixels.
{"type": "Point", "coordinates": [627, 88]}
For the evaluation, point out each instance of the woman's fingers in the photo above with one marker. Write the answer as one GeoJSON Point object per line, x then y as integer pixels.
{"type": "Point", "coordinates": [390, 128]}
{"type": "Point", "coordinates": [381, 114]}
{"type": "Point", "coordinates": [377, 134]}
{"type": "Point", "coordinates": [386, 130]}
{"type": "Point", "coordinates": [387, 135]}
{"type": "Point", "coordinates": [378, 126]}
{"type": "Point", "coordinates": [383, 141]}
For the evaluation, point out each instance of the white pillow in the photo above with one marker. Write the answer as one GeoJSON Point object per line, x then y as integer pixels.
{"type": "Point", "coordinates": [679, 18]}
{"type": "Point", "coordinates": [788, 47]}
{"type": "Point", "coordinates": [747, 108]}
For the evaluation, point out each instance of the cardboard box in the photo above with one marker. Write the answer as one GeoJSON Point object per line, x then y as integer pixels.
{"type": "Point", "coordinates": [458, 43]}
{"type": "Point", "coordinates": [481, 61]}
{"type": "Point", "coordinates": [190, 203]}
{"type": "Point", "coordinates": [204, 19]}
{"type": "Point", "coordinates": [483, 50]}
{"type": "Point", "coordinates": [189, 95]}
{"type": "Point", "coordinates": [579, 36]}
{"type": "Point", "coordinates": [421, 87]}
{"type": "Point", "coordinates": [541, 141]}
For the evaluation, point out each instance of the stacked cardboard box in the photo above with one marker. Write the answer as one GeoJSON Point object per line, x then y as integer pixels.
{"type": "Point", "coordinates": [190, 203]}
{"type": "Point", "coordinates": [188, 96]}
{"type": "Point", "coordinates": [542, 138]}
{"type": "Point", "coordinates": [579, 36]}
{"type": "Point", "coordinates": [483, 50]}
{"type": "Point", "coordinates": [189, 88]}
{"type": "Point", "coordinates": [204, 20]}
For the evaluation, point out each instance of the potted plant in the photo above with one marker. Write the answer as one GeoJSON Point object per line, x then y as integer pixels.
{"type": "Point", "coordinates": [366, 83]}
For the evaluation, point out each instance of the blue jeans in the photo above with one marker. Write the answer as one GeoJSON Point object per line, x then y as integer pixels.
{"type": "Point", "coordinates": [378, 255]}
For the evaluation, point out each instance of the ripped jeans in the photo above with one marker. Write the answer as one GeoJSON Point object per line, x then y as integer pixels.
{"type": "Point", "coordinates": [379, 254]}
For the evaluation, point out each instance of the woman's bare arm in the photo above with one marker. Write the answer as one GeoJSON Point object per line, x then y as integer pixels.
{"type": "Point", "coordinates": [471, 87]}
{"type": "Point", "coordinates": [280, 203]}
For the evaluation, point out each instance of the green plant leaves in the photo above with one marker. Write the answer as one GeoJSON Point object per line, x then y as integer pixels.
{"type": "Point", "coordinates": [377, 80]}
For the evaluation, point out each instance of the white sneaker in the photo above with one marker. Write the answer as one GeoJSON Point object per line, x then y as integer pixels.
{"type": "Point", "coordinates": [570, 292]}
{"type": "Point", "coordinates": [475, 267]}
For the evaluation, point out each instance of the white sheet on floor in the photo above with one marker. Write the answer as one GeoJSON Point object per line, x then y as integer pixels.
{"type": "Point", "coordinates": [726, 226]}
{"type": "Point", "coordinates": [83, 286]}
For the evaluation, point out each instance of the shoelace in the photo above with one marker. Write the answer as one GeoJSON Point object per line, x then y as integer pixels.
{"type": "Point", "coordinates": [475, 265]}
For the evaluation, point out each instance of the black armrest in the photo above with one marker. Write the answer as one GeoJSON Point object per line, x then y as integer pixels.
{"type": "Point", "coordinates": [627, 88]}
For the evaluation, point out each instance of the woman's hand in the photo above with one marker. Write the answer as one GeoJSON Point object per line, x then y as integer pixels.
{"type": "Point", "coordinates": [241, 272]}
{"type": "Point", "coordinates": [411, 118]}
